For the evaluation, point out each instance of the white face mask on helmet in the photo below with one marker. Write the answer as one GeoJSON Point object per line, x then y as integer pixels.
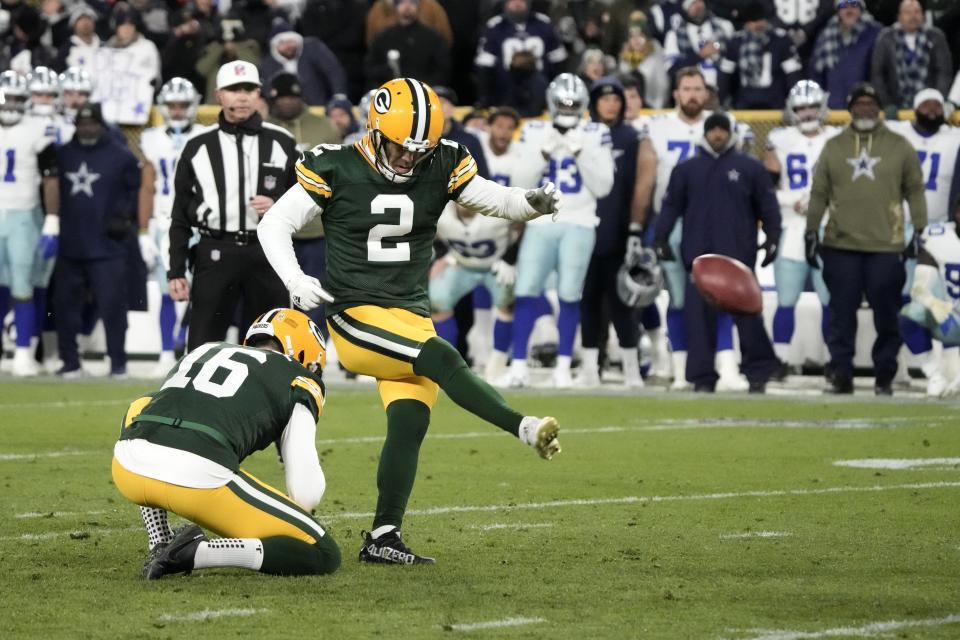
{"type": "Point", "coordinates": [178, 90]}
{"type": "Point", "coordinates": [806, 93]}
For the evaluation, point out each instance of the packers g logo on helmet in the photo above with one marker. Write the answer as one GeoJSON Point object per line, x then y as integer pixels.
{"type": "Point", "coordinates": [407, 113]}
{"type": "Point", "coordinates": [295, 333]}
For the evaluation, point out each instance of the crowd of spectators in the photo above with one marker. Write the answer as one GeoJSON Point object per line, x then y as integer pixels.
{"type": "Point", "coordinates": [503, 53]}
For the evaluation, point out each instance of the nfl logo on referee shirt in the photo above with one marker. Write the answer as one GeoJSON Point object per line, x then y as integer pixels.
{"type": "Point", "coordinates": [270, 183]}
{"type": "Point", "coordinates": [215, 255]}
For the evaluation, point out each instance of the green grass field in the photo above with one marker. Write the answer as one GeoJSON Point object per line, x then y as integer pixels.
{"type": "Point", "coordinates": [664, 517]}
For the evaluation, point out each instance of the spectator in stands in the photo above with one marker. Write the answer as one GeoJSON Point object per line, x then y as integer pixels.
{"type": "Point", "coordinates": [409, 48]}
{"type": "Point", "coordinates": [665, 15]}
{"type": "Point", "coordinates": [155, 20]}
{"type": "Point", "coordinates": [525, 86]}
{"type": "Point", "coordinates": [698, 41]}
{"type": "Point", "coordinates": [56, 16]}
{"type": "Point", "coordinates": [339, 25]}
{"type": "Point", "coordinates": [191, 29]}
{"type": "Point", "coordinates": [760, 64]}
{"type": "Point", "coordinates": [803, 20]}
{"type": "Point", "coordinates": [231, 44]}
{"type": "Point", "coordinates": [841, 56]}
{"type": "Point", "coordinates": [517, 30]}
{"type": "Point", "coordinates": [453, 130]}
{"type": "Point", "coordinates": [954, 96]}
{"type": "Point", "coordinates": [909, 57]}
{"type": "Point", "coordinates": [321, 74]}
{"type": "Point", "coordinates": [592, 66]}
{"type": "Point", "coordinates": [642, 57]}
{"type": "Point", "coordinates": [98, 221]}
{"type": "Point", "coordinates": [383, 15]}
{"type": "Point", "coordinates": [863, 176]}
{"type": "Point", "coordinates": [340, 112]}
{"type": "Point", "coordinates": [81, 49]}
{"type": "Point", "coordinates": [127, 71]}
{"type": "Point", "coordinates": [258, 17]}
{"type": "Point", "coordinates": [289, 110]}
{"type": "Point", "coordinates": [26, 50]}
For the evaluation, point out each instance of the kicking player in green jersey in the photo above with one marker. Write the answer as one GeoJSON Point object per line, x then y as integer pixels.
{"type": "Point", "coordinates": [380, 200]}
{"type": "Point", "coordinates": [180, 450]}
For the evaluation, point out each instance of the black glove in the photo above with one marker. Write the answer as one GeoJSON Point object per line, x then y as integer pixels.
{"type": "Point", "coordinates": [811, 246]}
{"type": "Point", "coordinates": [912, 250]}
{"type": "Point", "coordinates": [634, 244]}
{"type": "Point", "coordinates": [770, 248]}
{"type": "Point", "coordinates": [663, 251]}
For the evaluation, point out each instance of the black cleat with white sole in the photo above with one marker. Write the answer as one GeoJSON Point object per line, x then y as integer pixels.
{"type": "Point", "coordinates": [389, 549]}
{"type": "Point", "coordinates": [176, 557]}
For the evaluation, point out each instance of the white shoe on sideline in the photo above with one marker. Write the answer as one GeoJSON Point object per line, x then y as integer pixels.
{"type": "Point", "coordinates": [587, 378]}
{"type": "Point", "coordinates": [24, 364]}
{"type": "Point", "coordinates": [164, 364]}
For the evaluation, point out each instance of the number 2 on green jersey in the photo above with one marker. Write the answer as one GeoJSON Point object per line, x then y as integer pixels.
{"type": "Point", "coordinates": [380, 205]}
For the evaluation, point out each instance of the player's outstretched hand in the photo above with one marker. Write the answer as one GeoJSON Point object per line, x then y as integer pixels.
{"type": "Point", "coordinates": [545, 200]}
{"type": "Point", "coordinates": [306, 292]}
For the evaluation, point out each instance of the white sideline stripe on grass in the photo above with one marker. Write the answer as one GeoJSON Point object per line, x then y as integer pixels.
{"type": "Point", "coordinates": [496, 624]}
{"type": "Point", "coordinates": [52, 535]}
{"type": "Point", "coordinates": [208, 614]}
{"type": "Point", "coordinates": [666, 425]}
{"type": "Point", "coordinates": [57, 514]}
{"type": "Point", "coordinates": [518, 525]}
{"type": "Point", "coordinates": [867, 630]}
{"type": "Point", "coordinates": [755, 534]}
{"type": "Point", "coordinates": [434, 511]}
{"type": "Point", "coordinates": [4, 457]}
{"type": "Point", "coordinates": [63, 404]}
{"type": "Point", "coordinates": [589, 502]}
{"type": "Point", "coordinates": [896, 463]}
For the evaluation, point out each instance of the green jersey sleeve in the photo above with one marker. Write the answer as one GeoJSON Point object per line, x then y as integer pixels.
{"type": "Point", "coordinates": [463, 167]}
{"type": "Point", "coordinates": [316, 172]}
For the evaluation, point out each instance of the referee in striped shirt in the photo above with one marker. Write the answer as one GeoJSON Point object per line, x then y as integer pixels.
{"type": "Point", "coordinates": [227, 177]}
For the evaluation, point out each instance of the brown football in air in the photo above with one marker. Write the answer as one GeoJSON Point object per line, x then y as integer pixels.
{"type": "Point", "coordinates": [727, 284]}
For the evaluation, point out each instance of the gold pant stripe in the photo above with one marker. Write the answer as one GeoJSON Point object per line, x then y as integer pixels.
{"type": "Point", "coordinates": [219, 510]}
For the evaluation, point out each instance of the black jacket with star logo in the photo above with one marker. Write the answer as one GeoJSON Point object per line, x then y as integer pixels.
{"type": "Point", "coordinates": [862, 180]}
{"type": "Point", "coordinates": [98, 198]}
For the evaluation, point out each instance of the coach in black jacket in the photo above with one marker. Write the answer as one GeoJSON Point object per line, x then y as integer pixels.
{"type": "Point", "coordinates": [227, 177]}
{"type": "Point", "coordinates": [721, 194]}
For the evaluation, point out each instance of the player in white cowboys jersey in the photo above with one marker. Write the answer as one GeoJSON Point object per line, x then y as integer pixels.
{"type": "Point", "coordinates": [937, 146]}
{"type": "Point", "coordinates": [791, 155]}
{"type": "Point", "coordinates": [27, 163]}
{"type": "Point", "coordinates": [480, 254]}
{"type": "Point", "coordinates": [161, 146]}
{"type": "Point", "coordinates": [670, 139]}
{"type": "Point", "coordinates": [44, 84]}
{"type": "Point", "coordinates": [935, 294]}
{"type": "Point", "coordinates": [577, 156]}
{"type": "Point", "coordinates": [492, 332]}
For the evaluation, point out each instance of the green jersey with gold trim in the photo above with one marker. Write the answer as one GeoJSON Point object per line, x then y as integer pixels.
{"type": "Point", "coordinates": [224, 401]}
{"type": "Point", "coordinates": [380, 233]}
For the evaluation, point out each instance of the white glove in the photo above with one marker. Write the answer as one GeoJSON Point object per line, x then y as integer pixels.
{"type": "Point", "coordinates": [552, 142]}
{"type": "Point", "coordinates": [50, 236]}
{"type": "Point", "coordinates": [506, 273]}
{"type": "Point", "coordinates": [573, 141]}
{"type": "Point", "coordinates": [545, 200]}
{"type": "Point", "coordinates": [306, 292]}
{"type": "Point", "coordinates": [149, 250]}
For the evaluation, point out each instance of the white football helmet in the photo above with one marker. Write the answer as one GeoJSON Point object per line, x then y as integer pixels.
{"type": "Point", "coordinates": [77, 87]}
{"type": "Point", "coordinates": [16, 98]}
{"type": "Point", "coordinates": [44, 81]}
{"type": "Point", "coordinates": [178, 91]}
{"type": "Point", "coordinates": [364, 108]}
{"type": "Point", "coordinates": [639, 283]}
{"type": "Point", "coordinates": [567, 99]}
{"type": "Point", "coordinates": [806, 93]}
